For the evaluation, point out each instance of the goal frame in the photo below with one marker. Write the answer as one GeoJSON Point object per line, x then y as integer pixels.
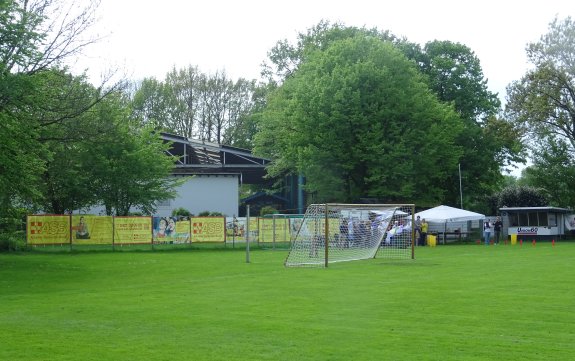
{"type": "Point", "coordinates": [328, 206]}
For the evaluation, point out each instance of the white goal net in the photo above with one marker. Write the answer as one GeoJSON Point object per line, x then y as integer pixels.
{"type": "Point", "coordinates": [346, 232]}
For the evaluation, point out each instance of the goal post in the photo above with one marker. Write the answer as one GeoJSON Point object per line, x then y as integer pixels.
{"type": "Point", "coordinates": [335, 232]}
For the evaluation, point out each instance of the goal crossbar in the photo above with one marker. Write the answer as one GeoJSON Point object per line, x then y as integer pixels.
{"type": "Point", "coordinates": [336, 232]}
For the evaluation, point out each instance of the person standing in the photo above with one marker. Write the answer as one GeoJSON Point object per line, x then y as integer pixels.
{"type": "Point", "coordinates": [417, 228]}
{"type": "Point", "coordinates": [423, 232]}
{"type": "Point", "coordinates": [487, 231]}
{"type": "Point", "coordinates": [497, 226]}
{"type": "Point", "coordinates": [350, 234]}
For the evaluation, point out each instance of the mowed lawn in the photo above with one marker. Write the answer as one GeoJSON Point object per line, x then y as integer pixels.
{"type": "Point", "coordinates": [465, 302]}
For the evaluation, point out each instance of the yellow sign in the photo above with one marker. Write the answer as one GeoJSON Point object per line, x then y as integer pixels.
{"type": "Point", "coordinates": [254, 233]}
{"type": "Point", "coordinates": [267, 232]}
{"type": "Point", "coordinates": [208, 229]}
{"type": "Point", "coordinates": [182, 231]}
{"type": "Point", "coordinates": [92, 229]}
{"type": "Point", "coordinates": [132, 230]}
{"type": "Point", "coordinates": [48, 229]}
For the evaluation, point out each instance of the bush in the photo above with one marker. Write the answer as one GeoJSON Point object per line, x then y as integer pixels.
{"type": "Point", "coordinates": [181, 212]}
{"type": "Point", "coordinates": [268, 210]}
{"type": "Point", "coordinates": [13, 241]}
{"type": "Point", "coordinates": [210, 214]}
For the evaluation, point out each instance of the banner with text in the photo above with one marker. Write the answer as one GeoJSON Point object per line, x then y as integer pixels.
{"type": "Point", "coordinates": [47, 229]}
{"type": "Point", "coordinates": [208, 229]}
{"type": "Point", "coordinates": [273, 230]}
{"type": "Point", "coordinates": [132, 230]}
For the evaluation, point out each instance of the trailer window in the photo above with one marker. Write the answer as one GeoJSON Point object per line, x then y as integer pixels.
{"type": "Point", "coordinates": [523, 219]}
{"type": "Point", "coordinates": [542, 216]}
{"type": "Point", "coordinates": [513, 219]}
{"type": "Point", "coordinates": [552, 217]}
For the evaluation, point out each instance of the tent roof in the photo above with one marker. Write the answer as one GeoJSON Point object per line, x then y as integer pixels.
{"type": "Point", "coordinates": [444, 214]}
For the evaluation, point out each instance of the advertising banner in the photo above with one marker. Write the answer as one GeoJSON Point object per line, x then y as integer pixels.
{"type": "Point", "coordinates": [254, 233]}
{"type": "Point", "coordinates": [164, 229]}
{"type": "Point", "coordinates": [132, 230]}
{"type": "Point", "coordinates": [208, 229]}
{"type": "Point", "coordinates": [88, 229]}
{"type": "Point", "coordinates": [267, 232]}
{"type": "Point", "coordinates": [183, 231]}
{"type": "Point", "coordinates": [47, 229]}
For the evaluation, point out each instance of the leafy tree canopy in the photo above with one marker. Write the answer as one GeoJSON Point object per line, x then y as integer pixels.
{"type": "Point", "coordinates": [554, 171]}
{"type": "Point", "coordinates": [542, 106]}
{"type": "Point", "coordinates": [522, 196]}
{"type": "Point", "coordinates": [358, 120]}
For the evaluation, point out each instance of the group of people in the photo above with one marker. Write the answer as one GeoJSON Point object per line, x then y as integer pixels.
{"type": "Point", "coordinates": [421, 227]}
{"type": "Point", "coordinates": [351, 230]}
{"type": "Point", "coordinates": [489, 226]}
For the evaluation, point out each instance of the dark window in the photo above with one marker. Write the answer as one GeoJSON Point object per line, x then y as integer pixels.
{"type": "Point", "coordinates": [523, 219]}
{"type": "Point", "coordinates": [543, 219]}
{"type": "Point", "coordinates": [533, 219]}
{"type": "Point", "coordinates": [552, 219]}
{"type": "Point", "coordinates": [513, 219]}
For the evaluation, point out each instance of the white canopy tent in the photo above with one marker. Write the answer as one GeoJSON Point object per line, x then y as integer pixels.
{"type": "Point", "coordinates": [445, 214]}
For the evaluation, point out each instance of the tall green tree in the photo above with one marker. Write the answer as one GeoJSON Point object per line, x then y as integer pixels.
{"type": "Point", "coordinates": [521, 196]}
{"type": "Point", "coordinates": [35, 36]}
{"type": "Point", "coordinates": [65, 121]}
{"type": "Point", "coordinates": [542, 105]}
{"type": "Point", "coordinates": [148, 104]}
{"type": "Point", "coordinates": [554, 171]}
{"type": "Point", "coordinates": [489, 142]}
{"type": "Point", "coordinates": [285, 58]}
{"type": "Point", "coordinates": [210, 107]}
{"type": "Point", "coordinates": [127, 166]}
{"type": "Point", "coordinates": [454, 74]}
{"type": "Point", "coordinates": [358, 120]}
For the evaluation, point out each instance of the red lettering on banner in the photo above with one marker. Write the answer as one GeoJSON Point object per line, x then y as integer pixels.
{"type": "Point", "coordinates": [198, 228]}
{"type": "Point", "coordinates": [35, 227]}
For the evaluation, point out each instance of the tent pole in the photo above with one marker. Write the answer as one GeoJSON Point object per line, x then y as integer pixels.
{"type": "Point", "coordinates": [444, 231]}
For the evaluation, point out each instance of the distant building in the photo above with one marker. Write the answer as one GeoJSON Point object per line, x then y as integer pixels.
{"type": "Point", "coordinates": [535, 222]}
{"type": "Point", "coordinates": [216, 172]}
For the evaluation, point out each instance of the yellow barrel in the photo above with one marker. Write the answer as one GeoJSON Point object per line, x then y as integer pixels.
{"type": "Point", "coordinates": [513, 239]}
{"type": "Point", "coordinates": [431, 240]}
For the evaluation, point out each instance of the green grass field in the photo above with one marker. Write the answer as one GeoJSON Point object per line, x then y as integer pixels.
{"type": "Point", "coordinates": [465, 302]}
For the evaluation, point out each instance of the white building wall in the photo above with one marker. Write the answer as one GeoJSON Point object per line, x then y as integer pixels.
{"type": "Point", "coordinates": [214, 193]}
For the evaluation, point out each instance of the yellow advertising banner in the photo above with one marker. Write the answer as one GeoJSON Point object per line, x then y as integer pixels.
{"type": "Point", "coordinates": [254, 229]}
{"type": "Point", "coordinates": [267, 233]}
{"type": "Point", "coordinates": [48, 229]}
{"type": "Point", "coordinates": [208, 229]}
{"type": "Point", "coordinates": [183, 231]}
{"type": "Point", "coordinates": [317, 226]}
{"type": "Point", "coordinates": [92, 229]}
{"type": "Point", "coordinates": [132, 230]}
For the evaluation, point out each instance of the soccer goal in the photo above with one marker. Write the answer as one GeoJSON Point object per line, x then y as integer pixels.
{"type": "Point", "coordinates": [346, 232]}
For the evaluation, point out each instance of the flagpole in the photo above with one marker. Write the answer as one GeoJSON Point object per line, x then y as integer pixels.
{"type": "Point", "coordinates": [460, 189]}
